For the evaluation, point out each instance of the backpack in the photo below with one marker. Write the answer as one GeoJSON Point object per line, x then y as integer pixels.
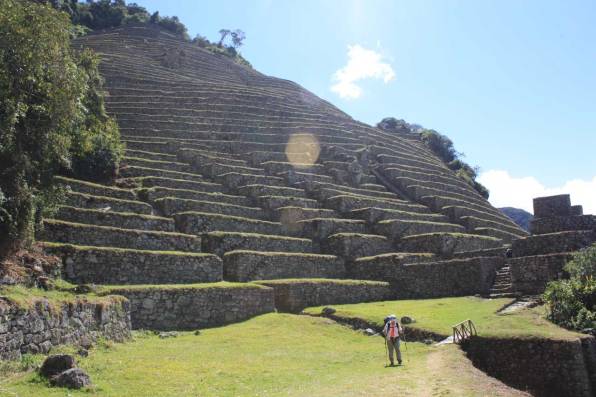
{"type": "Point", "coordinates": [386, 321]}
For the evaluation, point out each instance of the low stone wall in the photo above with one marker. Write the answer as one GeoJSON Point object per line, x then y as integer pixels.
{"type": "Point", "coordinates": [250, 265]}
{"type": "Point", "coordinates": [563, 223]}
{"type": "Point", "coordinates": [544, 367]}
{"type": "Point", "coordinates": [125, 266]}
{"type": "Point", "coordinates": [115, 219]}
{"type": "Point", "coordinates": [192, 307]}
{"type": "Point", "coordinates": [294, 295]}
{"type": "Point", "coordinates": [448, 244]}
{"type": "Point", "coordinates": [221, 242]}
{"type": "Point", "coordinates": [530, 274]}
{"type": "Point", "coordinates": [418, 277]}
{"type": "Point", "coordinates": [80, 200]}
{"type": "Point", "coordinates": [39, 327]}
{"type": "Point", "coordinates": [355, 245]}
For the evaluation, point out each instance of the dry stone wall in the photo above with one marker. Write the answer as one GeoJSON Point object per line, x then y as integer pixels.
{"type": "Point", "coordinates": [43, 325]}
{"type": "Point", "coordinates": [187, 307]}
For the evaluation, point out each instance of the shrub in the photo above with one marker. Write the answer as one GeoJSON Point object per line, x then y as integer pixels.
{"type": "Point", "coordinates": [51, 111]}
{"type": "Point", "coordinates": [571, 302]}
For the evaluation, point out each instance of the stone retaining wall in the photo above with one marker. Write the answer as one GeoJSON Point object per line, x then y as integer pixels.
{"type": "Point", "coordinates": [562, 223]}
{"type": "Point", "coordinates": [541, 366]}
{"type": "Point", "coordinates": [530, 274]}
{"type": "Point", "coordinates": [124, 266]}
{"type": "Point", "coordinates": [295, 295]}
{"type": "Point", "coordinates": [187, 308]}
{"type": "Point", "coordinates": [418, 277]}
{"type": "Point", "coordinates": [249, 265]}
{"type": "Point", "coordinates": [553, 243]}
{"type": "Point", "coordinates": [38, 328]}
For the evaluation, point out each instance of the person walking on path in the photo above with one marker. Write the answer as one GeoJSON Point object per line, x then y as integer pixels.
{"type": "Point", "coordinates": [393, 331]}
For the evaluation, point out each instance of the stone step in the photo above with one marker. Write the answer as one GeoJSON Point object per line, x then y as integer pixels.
{"type": "Point", "coordinates": [254, 265]}
{"type": "Point", "coordinates": [200, 157]}
{"type": "Point", "coordinates": [315, 187]}
{"type": "Point", "coordinates": [221, 242]}
{"type": "Point", "coordinates": [472, 222]}
{"type": "Point", "coordinates": [105, 236]}
{"type": "Point", "coordinates": [299, 178]}
{"type": "Point", "coordinates": [135, 172]}
{"type": "Point", "coordinates": [447, 244]}
{"type": "Point", "coordinates": [95, 189]}
{"type": "Point", "coordinates": [150, 181]}
{"type": "Point", "coordinates": [356, 245]}
{"type": "Point", "coordinates": [254, 191]}
{"type": "Point", "coordinates": [372, 215]}
{"type": "Point", "coordinates": [320, 228]}
{"type": "Point", "coordinates": [294, 295]}
{"type": "Point", "coordinates": [156, 193]}
{"type": "Point", "coordinates": [425, 276]}
{"type": "Point", "coordinates": [553, 243]}
{"type": "Point", "coordinates": [346, 203]}
{"type": "Point", "coordinates": [115, 219]}
{"type": "Point", "coordinates": [396, 229]}
{"type": "Point", "coordinates": [194, 306]}
{"type": "Point", "coordinates": [323, 193]}
{"type": "Point", "coordinates": [110, 265]}
{"type": "Point", "coordinates": [201, 222]}
{"type": "Point", "coordinates": [161, 147]}
{"type": "Point", "coordinates": [170, 206]}
{"type": "Point", "coordinates": [88, 201]}
{"type": "Point", "coordinates": [291, 216]}
{"type": "Point", "coordinates": [156, 164]}
{"type": "Point", "coordinates": [256, 158]}
{"type": "Point", "coordinates": [504, 295]}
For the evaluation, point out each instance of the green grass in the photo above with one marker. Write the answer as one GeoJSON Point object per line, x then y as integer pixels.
{"type": "Point", "coordinates": [80, 248]}
{"type": "Point", "coordinates": [439, 315]}
{"type": "Point", "coordinates": [335, 281]}
{"type": "Point", "coordinates": [271, 355]}
{"type": "Point", "coordinates": [27, 297]}
{"type": "Point", "coordinates": [278, 254]}
{"type": "Point", "coordinates": [108, 289]}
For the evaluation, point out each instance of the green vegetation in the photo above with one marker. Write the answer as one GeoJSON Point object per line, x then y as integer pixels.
{"type": "Point", "coordinates": [57, 246]}
{"type": "Point", "coordinates": [572, 302]}
{"type": "Point", "coordinates": [52, 117]}
{"type": "Point", "coordinates": [114, 289]}
{"type": "Point", "coordinates": [271, 355]}
{"type": "Point", "coordinates": [442, 147]}
{"type": "Point", "coordinates": [439, 315]}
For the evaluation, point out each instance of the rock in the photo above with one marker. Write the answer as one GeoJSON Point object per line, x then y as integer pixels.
{"type": "Point", "coordinates": [370, 332]}
{"type": "Point", "coordinates": [589, 331]}
{"type": "Point", "coordinates": [86, 343]}
{"type": "Point", "coordinates": [83, 352]}
{"type": "Point", "coordinates": [74, 378]}
{"type": "Point", "coordinates": [328, 311]}
{"type": "Point", "coordinates": [85, 289]}
{"type": "Point", "coordinates": [407, 320]}
{"type": "Point", "coordinates": [56, 364]}
{"type": "Point", "coordinates": [428, 341]}
{"type": "Point", "coordinates": [197, 332]}
{"type": "Point", "coordinates": [171, 334]}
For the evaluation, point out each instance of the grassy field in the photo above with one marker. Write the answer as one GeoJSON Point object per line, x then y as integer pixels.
{"type": "Point", "coordinates": [438, 315]}
{"type": "Point", "coordinates": [270, 355]}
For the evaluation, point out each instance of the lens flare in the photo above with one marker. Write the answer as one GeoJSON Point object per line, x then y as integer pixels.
{"type": "Point", "coordinates": [303, 150]}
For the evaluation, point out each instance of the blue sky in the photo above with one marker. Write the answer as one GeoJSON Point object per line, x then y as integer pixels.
{"type": "Point", "coordinates": [512, 83]}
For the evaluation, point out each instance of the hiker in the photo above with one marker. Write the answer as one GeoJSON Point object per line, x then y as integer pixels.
{"type": "Point", "coordinates": [393, 331]}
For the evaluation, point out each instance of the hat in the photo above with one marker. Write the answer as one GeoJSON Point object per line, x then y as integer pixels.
{"type": "Point", "coordinates": [392, 316]}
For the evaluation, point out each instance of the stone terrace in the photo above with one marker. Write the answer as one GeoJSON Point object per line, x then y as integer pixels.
{"type": "Point", "coordinates": [233, 178]}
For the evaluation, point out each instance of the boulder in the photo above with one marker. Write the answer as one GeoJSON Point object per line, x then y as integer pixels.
{"type": "Point", "coordinates": [407, 320]}
{"type": "Point", "coordinates": [57, 363]}
{"type": "Point", "coordinates": [74, 378]}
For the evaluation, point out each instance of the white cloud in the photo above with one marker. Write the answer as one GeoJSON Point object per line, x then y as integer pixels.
{"type": "Point", "coordinates": [362, 64]}
{"type": "Point", "coordinates": [509, 191]}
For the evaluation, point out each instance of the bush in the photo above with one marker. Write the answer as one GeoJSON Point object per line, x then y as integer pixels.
{"type": "Point", "coordinates": [571, 302]}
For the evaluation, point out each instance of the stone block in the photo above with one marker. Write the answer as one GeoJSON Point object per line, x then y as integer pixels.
{"type": "Point", "coordinates": [559, 205]}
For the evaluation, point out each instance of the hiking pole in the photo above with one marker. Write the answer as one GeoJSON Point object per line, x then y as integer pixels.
{"type": "Point", "coordinates": [386, 352]}
{"type": "Point", "coordinates": [405, 342]}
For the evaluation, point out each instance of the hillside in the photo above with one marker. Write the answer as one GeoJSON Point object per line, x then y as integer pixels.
{"type": "Point", "coordinates": [233, 175]}
{"type": "Point", "coordinates": [519, 216]}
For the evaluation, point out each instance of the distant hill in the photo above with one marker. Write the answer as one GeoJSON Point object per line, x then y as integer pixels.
{"type": "Point", "coordinates": [519, 216]}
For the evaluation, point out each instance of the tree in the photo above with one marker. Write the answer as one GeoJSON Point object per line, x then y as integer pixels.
{"type": "Point", "coordinates": [50, 103]}
{"type": "Point", "coordinates": [224, 33]}
{"type": "Point", "coordinates": [238, 37]}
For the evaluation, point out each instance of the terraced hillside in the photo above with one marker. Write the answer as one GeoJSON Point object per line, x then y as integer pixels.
{"type": "Point", "coordinates": [241, 193]}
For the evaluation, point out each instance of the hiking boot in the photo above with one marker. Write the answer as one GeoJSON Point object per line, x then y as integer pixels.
{"type": "Point", "coordinates": [399, 362]}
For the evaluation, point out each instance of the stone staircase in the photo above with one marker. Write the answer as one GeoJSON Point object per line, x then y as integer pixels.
{"type": "Point", "coordinates": [240, 194]}
{"type": "Point", "coordinates": [502, 287]}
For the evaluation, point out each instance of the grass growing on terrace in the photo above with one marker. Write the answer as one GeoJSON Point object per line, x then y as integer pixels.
{"type": "Point", "coordinates": [439, 315]}
{"type": "Point", "coordinates": [271, 355]}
